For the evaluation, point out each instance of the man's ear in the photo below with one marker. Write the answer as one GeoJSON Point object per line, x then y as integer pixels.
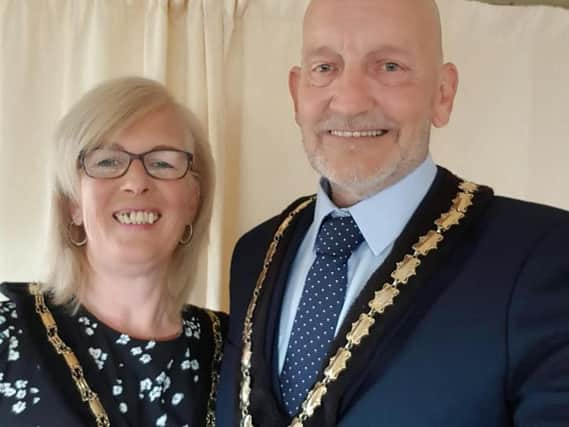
{"type": "Point", "coordinates": [444, 98]}
{"type": "Point", "coordinates": [293, 83]}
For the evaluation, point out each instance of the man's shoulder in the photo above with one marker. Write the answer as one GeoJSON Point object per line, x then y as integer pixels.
{"type": "Point", "coordinates": [504, 211]}
{"type": "Point", "coordinates": [500, 205]}
{"type": "Point", "coordinates": [528, 213]}
{"type": "Point", "coordinates": [523, 226]}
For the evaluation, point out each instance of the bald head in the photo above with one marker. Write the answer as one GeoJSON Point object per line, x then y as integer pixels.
{"type": "Point", "coordinates": [419, 18]}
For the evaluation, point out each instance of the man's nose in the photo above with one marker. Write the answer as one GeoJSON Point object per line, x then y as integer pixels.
{"type": "Point", "coordinates": [136, 180]}
{"type": "Point", "coordinates": [352, 94]}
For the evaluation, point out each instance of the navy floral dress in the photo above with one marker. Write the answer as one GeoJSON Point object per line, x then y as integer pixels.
{"type": "Point", "coordinates": [139, 382]}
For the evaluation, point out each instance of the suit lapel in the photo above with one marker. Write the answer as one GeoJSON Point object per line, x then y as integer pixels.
{"type": "Point", "coordinates": [265, 395]}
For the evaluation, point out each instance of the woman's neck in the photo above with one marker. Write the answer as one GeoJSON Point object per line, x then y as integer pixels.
{"type": "Point", "coordinates": [136, 305]}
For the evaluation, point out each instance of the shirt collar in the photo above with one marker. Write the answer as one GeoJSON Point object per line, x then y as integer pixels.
{"type": "Point", "coordinates": [381, 217]}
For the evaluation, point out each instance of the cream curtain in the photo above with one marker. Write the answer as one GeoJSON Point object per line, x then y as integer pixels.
{"type": "Point", "coordinates": [228, 60]}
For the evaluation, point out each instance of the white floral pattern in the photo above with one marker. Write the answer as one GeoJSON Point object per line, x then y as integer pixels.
{"type": "Point", "coordinates": [19, 393]}
{"type": "Point", "coordinates": [89, 327]}
{"type": "Point", "coordinates": [123, 339]}
{"type": "Point", "coordinates": [192, 328]}
{"type": "Point", "coordinates": [99, 356]}
{"type": "Point", "coordinates": [177, 398]}
{"type": "Point", "coordinates": [161, 422]}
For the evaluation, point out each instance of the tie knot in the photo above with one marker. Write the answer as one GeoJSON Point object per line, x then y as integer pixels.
{"type": "Point", "coordinates": [338, 236]}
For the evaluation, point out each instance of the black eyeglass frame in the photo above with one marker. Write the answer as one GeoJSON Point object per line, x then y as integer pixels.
{"type": "Point", "coordinates": [133, 156]}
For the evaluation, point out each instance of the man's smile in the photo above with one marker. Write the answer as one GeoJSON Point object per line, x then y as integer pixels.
{"type": "Point", "coordinates": [358, 133]}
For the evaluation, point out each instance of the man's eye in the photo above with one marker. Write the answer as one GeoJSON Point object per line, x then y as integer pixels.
{"type": "Point", "coordinates": [323, 68]}
{"type": "Point", "coordinates": [391, 67]}
{"type": "Point", "coordinates": [322, 74]}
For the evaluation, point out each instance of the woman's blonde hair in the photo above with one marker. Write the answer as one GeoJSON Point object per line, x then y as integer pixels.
{"type": "Point", "coordinates": [100, 113]}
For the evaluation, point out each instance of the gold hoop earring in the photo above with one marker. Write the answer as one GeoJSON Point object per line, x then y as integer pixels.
{"type": "Point", "coordinates": [187, 236]}
{"type": "Point", "coordinates": [77, 243]}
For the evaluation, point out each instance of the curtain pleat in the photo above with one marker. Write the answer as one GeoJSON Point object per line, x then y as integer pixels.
{"type": "Point", "coordinates": [156, 36]}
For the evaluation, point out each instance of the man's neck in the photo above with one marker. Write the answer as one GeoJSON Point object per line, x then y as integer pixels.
{"type": "Point", "coordinates": [345, 197]}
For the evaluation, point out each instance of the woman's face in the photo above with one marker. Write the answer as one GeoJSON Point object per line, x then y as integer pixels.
{"type": "Point", "coordinates": [134, 223]}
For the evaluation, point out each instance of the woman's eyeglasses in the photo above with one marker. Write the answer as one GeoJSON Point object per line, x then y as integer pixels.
{"type": "Point", "coordinates": [163, 163]}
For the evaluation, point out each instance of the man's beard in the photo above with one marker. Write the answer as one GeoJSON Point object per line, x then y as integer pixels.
{"type": "Point", "coordinates": [352, 179]}
{"type": "Point", "coordinates": [361, 182]}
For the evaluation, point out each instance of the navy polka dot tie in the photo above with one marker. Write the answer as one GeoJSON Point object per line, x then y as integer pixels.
{"type": "Point", "coordinates": [320, 305]}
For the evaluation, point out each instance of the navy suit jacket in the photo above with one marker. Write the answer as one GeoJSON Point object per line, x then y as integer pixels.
{"type": "Point", "coordinates": [479, 338]}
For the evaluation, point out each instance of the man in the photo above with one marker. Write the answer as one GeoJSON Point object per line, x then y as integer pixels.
{"type": "Point", "coordinates": [400, 295]}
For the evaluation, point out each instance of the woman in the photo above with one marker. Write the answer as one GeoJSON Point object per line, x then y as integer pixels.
{"type": "Point", "coordinates": [108, 338]}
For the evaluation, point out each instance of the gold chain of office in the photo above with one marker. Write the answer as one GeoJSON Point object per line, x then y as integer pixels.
{"type": "Point", "coordinates": [87, 394]}
{"type": "Point", "coordinates": [383, 298]}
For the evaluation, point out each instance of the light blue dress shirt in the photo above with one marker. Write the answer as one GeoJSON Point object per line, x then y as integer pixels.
{"type": "Point", "coordinates": [381, 219]}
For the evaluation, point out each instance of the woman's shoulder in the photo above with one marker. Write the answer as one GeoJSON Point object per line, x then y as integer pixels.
{"type": "Point", "coordinates": [15, 302]}
{"type": "Point", "coordinates": [214, 323]}
{"type": "Point", "coordinates": [12, 311]}
{"type": "Point", "coordinates": [204, 314]}
{"type": "Point", "coordinates": [15, 292]}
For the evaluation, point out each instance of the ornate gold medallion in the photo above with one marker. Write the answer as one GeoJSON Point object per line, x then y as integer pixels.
{"type": "Point", "coordinates": [462, 202]}
{"type": "Point", "coordinates": [337, 364]}
{"type": "Point", "coordinates": [314, 398]}
{"type": "Point", "coordinates": [427, 243]}
{"type": "Point", "coordinates": [406, 269]}
{"type": "Point", "coordinates": [449, 219]}
{"type": "Point", "coordinates": [382, 300]}
{"type": "Point", "coordinates": [360, 329]}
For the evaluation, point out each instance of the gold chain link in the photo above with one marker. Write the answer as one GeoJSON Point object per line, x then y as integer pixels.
{"type": "Point", "coordinates": [87, 394]}
{"type": "Point", "coordinates": [215, 364]}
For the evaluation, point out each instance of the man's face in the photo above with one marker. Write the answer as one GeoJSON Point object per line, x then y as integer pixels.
{"type": "Point", "coordinates": [371, 84]}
